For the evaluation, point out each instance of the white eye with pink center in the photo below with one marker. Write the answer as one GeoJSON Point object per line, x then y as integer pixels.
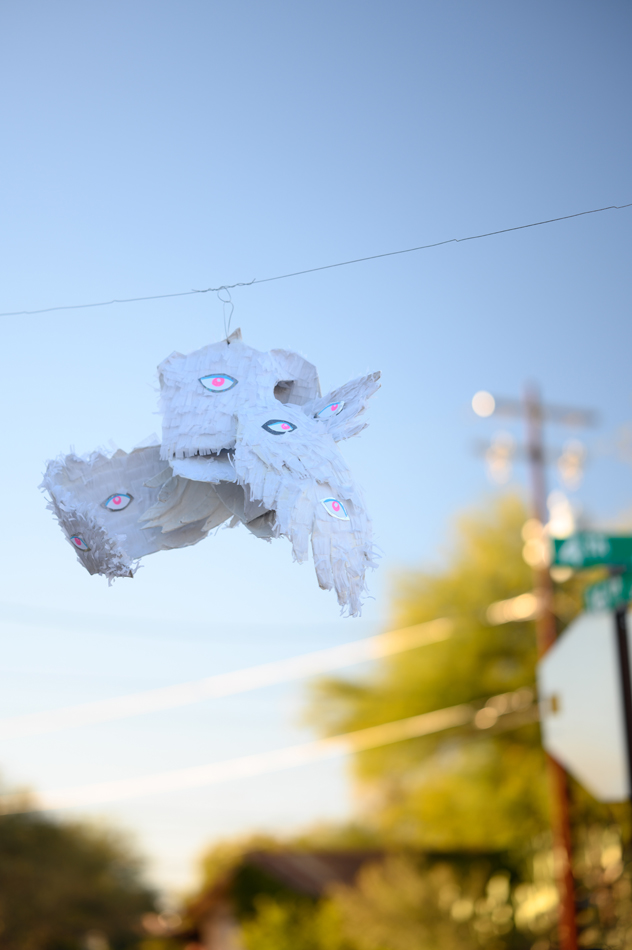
{"type": "Point", "coordinates": [117, 502]}
{"type": "Point", "coordinates": [218, 383]}
{"type": "Point", "coordinates": [278, 426]}
{"type": "Point", "coordinates": [335, 508]}
{"type": "Point", "coordinates": [78, 542]}
{"type": "Point", "coordinates": [331, 410]}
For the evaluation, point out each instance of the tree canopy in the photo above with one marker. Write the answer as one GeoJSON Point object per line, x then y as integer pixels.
{"type": "Point", "coordinates": [461, 816]}
{"type": "Point", "coordinates": [462, 788]}
{"type": "Point", "coordinates": [64, 886]}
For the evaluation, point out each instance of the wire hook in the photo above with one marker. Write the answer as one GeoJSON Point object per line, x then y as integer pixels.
{"type": "Point", "coordinates": [225, 304]}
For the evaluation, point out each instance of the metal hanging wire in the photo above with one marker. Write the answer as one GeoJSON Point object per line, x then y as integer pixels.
{"type": "Point", "coordinates": [225, 305]}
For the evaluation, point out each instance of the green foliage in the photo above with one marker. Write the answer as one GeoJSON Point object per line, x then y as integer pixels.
{"type": "Point", "coordinates": [353, 836]}
{"type": "Point", "coordinates": [295, 925]}
{"type": "Point", "coordinates": [450, 901]}
{"type": "Point", "coordinates": [396, 905]}
{"type": "Point", "coordinates": [458, 789]}
{"type": "Point", "coordinates": [59, 882]}
{"type": "Point", "coordinates": [604, 891]}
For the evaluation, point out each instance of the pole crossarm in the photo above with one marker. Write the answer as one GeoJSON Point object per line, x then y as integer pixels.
{"type": "Point", "coordinates": [516, 450]}
{"type": "Point", "coordinates": [546, 412]}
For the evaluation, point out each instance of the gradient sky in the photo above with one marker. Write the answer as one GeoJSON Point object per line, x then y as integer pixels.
{"type": "Point", "coordinates": [157, 147]}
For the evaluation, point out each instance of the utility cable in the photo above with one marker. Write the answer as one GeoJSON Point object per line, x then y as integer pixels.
{"type": "Point", "coordinates": [228, 684]}
{"type": "Point", "coordinates": [516, 709]}
{"type": "Point", "coordinates": [313, 270]}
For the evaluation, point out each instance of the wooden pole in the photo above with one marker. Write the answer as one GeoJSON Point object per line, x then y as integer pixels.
{"type": "Point", "coordinates": [546, 635]}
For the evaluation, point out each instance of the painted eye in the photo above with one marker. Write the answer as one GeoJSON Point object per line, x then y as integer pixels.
{"type": "Point", "coordinates": [331, 410]}
{"type": "Point", "coordinates": [335, 508]}
{"type": "Point", "coordinates": [79, 543]}
{"type": "Point", "coordinates": [218, 384]}
{"type": "Point", "coordinates": [278, 426]}
{"type": "Point", "coordinates": [117, 502]}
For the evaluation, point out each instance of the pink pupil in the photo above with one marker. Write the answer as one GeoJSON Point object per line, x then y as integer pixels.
{"type": "Point", "coordinates": [218, 381]}
{"type": "Point", "coordinates": [335, 505]}
{"type": "Point", "coordinates": [285, 426]}
{"type": "Point", "coordinates": [333, 408]}
{"type": "Point", "coordinates": [77, 542]}
{"type": "Point", "coordinates": [117, 500]}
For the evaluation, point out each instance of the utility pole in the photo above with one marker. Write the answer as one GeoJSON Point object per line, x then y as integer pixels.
{"type": "Point", "coordinates": [531, 410]}
{"type": "Point", "coordinates": [546, 634]}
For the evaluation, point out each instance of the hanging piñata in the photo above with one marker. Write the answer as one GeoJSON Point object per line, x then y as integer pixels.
{"type": "Point", "coordinates": [247, 439]}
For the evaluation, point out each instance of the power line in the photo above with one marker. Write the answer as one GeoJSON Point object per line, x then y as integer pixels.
{"type": "Point", "coordinates": [228, 684]}
{"type": "Point", "coordinates": [517, 709]}
{"type": "Point", "coordinates": [313, 270]}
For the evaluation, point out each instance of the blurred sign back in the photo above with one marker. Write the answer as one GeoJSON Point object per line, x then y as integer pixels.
{"type": "Point", "coordinates": [581, 706]}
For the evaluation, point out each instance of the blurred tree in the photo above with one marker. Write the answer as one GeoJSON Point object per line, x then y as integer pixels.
{"type": "Point", "coordinates": [400, 906]}
{"type": "Point", "coordinates": [68, 887]}
{"type": "Point", "coordinates": [400, 903]}
{"type": "Point", "coordinates": [295, 925]}
{"type": "Point", "coordinates": [459, 789]}
{"type": "Point", "coordinates": [478, 796]}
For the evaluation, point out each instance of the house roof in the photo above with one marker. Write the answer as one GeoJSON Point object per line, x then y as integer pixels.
{"type": "Point", "coordinates": [311, 872]}
{"type": "Point", "coordinates": [305, 872]}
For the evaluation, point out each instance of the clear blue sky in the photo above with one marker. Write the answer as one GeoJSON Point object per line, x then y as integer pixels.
{"type": "Point", "coordinates": [155, 147]}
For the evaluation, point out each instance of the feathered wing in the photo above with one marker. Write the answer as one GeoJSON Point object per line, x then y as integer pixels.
{"type": "Point", "coordinates": [298, 474]}
{"type": "Point", "coordinates": [341, 411]}
{"type": "Point", "coordinates": [342, 550]}
{"type": "Point", "coordinates": [98, 500]}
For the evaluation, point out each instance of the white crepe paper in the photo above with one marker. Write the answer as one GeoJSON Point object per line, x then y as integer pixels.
{"type": "Point", "coordinates": [199, 412]}
{"type": "Point", "coordinates": [98, 500]}
{"type": "Point", "coordinates": [247, 439]}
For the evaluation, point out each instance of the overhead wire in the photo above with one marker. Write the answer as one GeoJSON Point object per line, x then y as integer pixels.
{"type": "Point", "coordinates": [313, 270]}
{"type": "Point", "coordinates": [227, 684]}
{"type": "Point", "coordinates": [519, 709]}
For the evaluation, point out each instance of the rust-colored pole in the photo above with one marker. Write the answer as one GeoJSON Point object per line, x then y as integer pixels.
{"type": "Point", "coordinates": [546, 635]}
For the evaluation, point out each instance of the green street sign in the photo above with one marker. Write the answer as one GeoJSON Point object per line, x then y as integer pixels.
{"type": "Point", "coordinates": [590, 548]}
{"type": "Point", "coordinates": [610, 594]}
